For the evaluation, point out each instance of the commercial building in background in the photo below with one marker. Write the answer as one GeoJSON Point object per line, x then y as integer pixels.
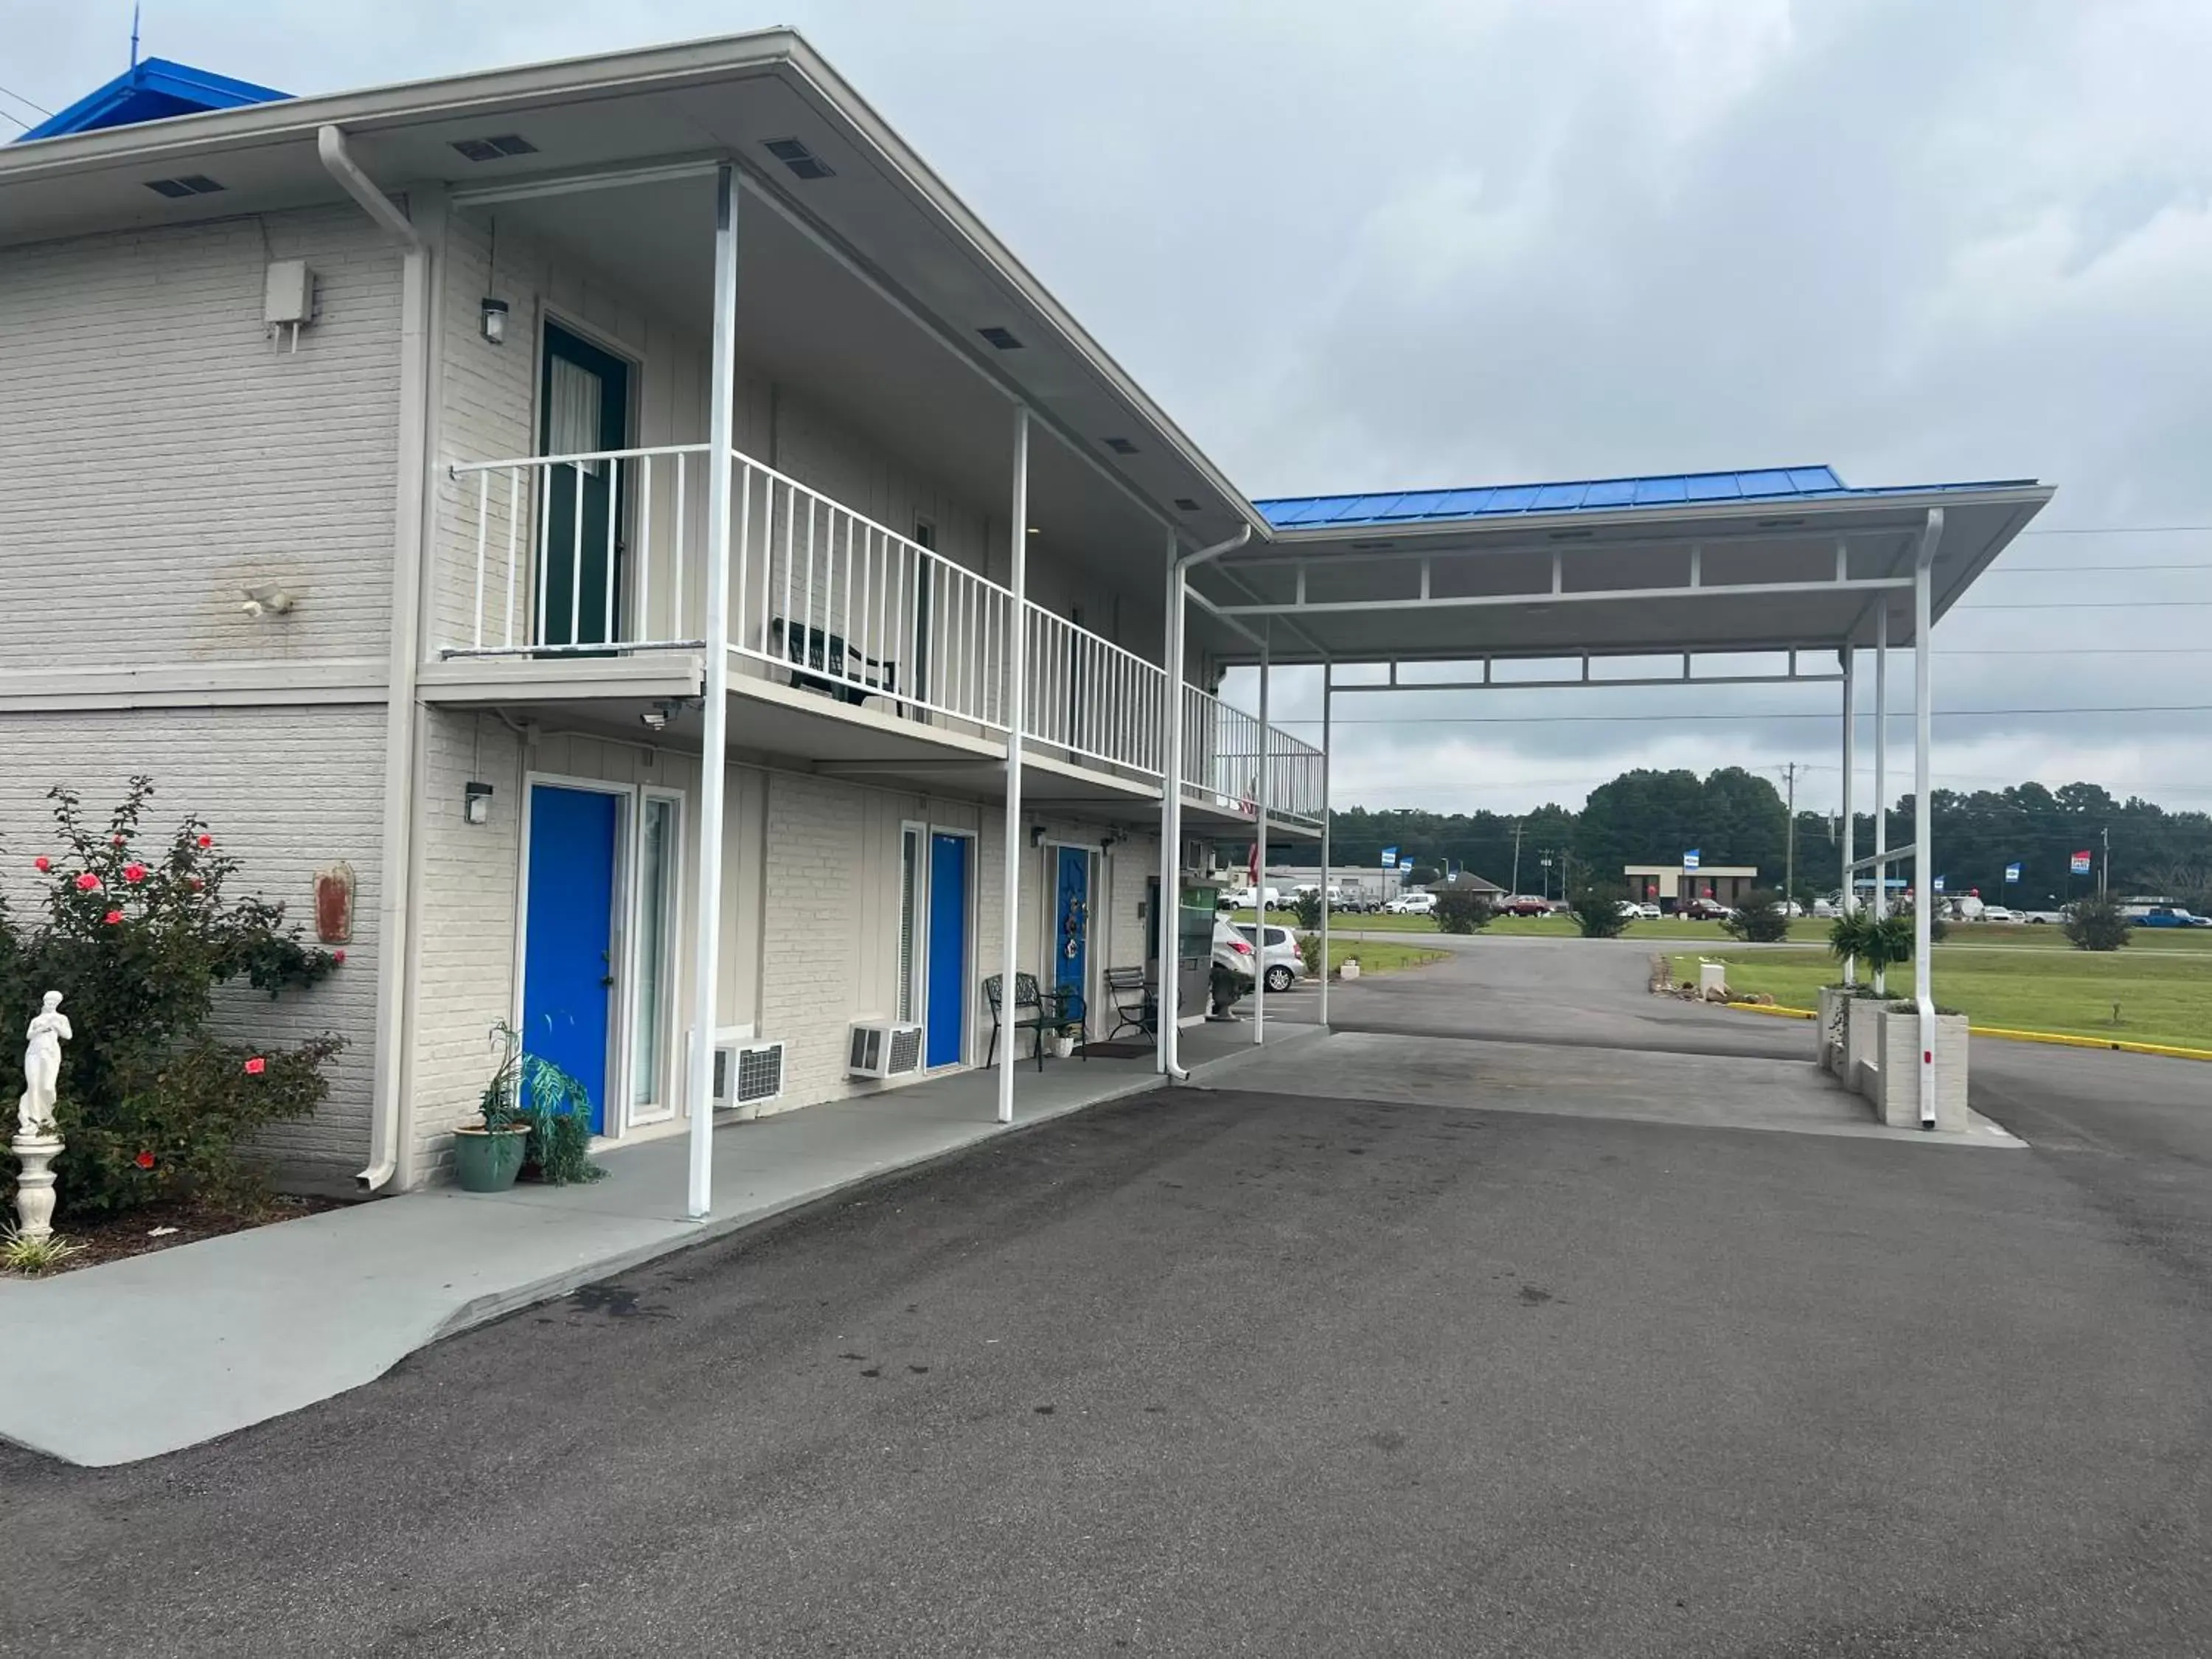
{"type": "Point", "coordinates": [1670, 886]}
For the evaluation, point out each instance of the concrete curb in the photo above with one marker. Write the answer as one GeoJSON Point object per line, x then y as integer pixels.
{"type": "Point", "coordinates": [2060, 1039]}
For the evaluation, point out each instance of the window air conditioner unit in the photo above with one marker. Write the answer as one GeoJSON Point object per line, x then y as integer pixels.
{"type": "Point", "coordinates": [884, 1048]}
{"type": "Point", "coordinates": [747, 1071]}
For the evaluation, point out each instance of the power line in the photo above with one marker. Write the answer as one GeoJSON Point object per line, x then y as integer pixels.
{"type": "Point", "coordinates": [2089, 569]}
{"type": "Point", "coordinates": [2087, 605]}
{"type": "Point", "coordinates": [26, 104]}
{"type": "Point", "coordinates": [2122, 530]}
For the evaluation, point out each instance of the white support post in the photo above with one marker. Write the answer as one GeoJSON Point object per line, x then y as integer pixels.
{"type": "Point", "coordinates": [1881, 775]}
{"type": "Point", "coordinates": [706, 942]}
{"type": "Point", "coordinates": [1850, 657]}
{"type": "Point", "coordinates": [1168, 999]}
{"type": "Point", "coordinates": [1923, 862]}
{"type": "Point", "coordinates": [1259, 929]}
{"type": "Point", "coordinates": [1016, 713]}
{"type": "Point", "coordinates": [1327, 686]}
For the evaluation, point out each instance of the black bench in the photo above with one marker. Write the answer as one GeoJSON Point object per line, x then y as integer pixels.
{"type": "Point", "coordinates": [818, 648]}
{"type": "Point", "coordinates": [1038, 1012]}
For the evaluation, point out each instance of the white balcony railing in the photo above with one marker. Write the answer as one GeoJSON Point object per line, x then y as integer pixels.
{"type": "Point", "coordinates": [1090, 697]}
{"type": "Point", "coordinates": [605, 554]}
{"type": "Point", "coordinates": [1221, 760]}
{"type": "Point", "coordinates": [847, 606]}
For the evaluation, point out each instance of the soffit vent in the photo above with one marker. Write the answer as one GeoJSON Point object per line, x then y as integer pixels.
{"type": "Point", "coordinates": [800, 160]}
{"type": "Point", "coordinates": [1186, 504]}
{"type": "Point", "coordinates": [191, 184]}
{"type": "Point", "coordinates": [495, 148]}
{"type": "Point", "coordinates": [1120, 446]}
{"type": "Point", "coordinates": [1002, 338]}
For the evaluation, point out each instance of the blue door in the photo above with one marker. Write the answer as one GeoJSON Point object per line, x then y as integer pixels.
{"type": "Point", "coordinates": [567, 968]}
{"type": "Point", "coordinates": [1071, 922]}
{"type": "Point", "coordinates": [948, 949]}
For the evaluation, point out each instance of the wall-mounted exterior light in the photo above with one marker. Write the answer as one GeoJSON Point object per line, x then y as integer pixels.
{"type": "Point", "coordinates": [476, 803]}
{"type": "Point", "coordinates": [494, 320]}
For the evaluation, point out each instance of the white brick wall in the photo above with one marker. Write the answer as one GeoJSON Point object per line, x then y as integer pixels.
{"type": "Point", "coordinates": [239, 768]}
{"type": "Point", "coordinates": [160, 454]}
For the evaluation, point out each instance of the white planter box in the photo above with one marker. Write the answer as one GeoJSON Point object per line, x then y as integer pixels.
{"type": "Point", "coordinates": [1898, 1100]}
{"type": "Point", "coordinates": [1829, 1034]}
{"type": "Point", "coordinates": [1348, 969]}
{"type": "Point", "coordinates": [1861, 1060]}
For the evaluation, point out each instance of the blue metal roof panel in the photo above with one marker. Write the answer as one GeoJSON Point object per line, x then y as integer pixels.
{"type": "Point", "coordinates": [152, 90]}
{"type": "Point", "coordinates": [1587, 495]}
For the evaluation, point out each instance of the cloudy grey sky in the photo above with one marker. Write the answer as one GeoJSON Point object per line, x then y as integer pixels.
{"type": "Point", "coordinates": [1497, 240]}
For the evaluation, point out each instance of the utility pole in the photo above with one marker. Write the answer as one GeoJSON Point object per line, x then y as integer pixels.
{"type": "Point", "coordinates": [1516, 857]}
{"type": "Point", "coordinates": [1790, 841]}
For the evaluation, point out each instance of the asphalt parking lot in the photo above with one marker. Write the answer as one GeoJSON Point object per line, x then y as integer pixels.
{"type": "Point", "coordinates": [1274, 1373]}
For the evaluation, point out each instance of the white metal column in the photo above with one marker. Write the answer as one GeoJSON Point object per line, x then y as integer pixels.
{"type": "Point", "coordinates": [1017, 718]}
{"type": "Point", "coordinates": [1327, 686]}
{"type": "Point", "coordinates": [1881, 775]}
{"type": "Point", "coordinates": [1168, 999]}
{"type": "Point", "coordinates": [1923, 853]}
{"type": "Point", "coordinates": [1850, 657]}
{"type": "Point", "coordinates": [1260, 928]}
{"type": "Point", "coordinates": [707, 943]}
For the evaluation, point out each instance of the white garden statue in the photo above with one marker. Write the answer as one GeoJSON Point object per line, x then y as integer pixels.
{"type": "Point", "coordinates": [42, 1068]}
{"type": "Point", "coordinates": [36, 1144]}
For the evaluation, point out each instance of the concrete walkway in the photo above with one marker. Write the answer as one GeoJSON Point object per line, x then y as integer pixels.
{"type": "Point", "coordinates": [134, 1359]}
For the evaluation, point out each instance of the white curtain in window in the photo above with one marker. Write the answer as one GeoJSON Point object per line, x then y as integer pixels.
{"type": "Point", "coordinates": [573, 421]}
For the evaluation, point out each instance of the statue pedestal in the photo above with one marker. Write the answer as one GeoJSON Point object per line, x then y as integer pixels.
{"type": "Point", "coordinates": [35, 1187]}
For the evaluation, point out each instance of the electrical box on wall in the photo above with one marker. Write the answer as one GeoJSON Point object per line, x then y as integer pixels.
{"type": "Point", "coordinates": [288, 301]}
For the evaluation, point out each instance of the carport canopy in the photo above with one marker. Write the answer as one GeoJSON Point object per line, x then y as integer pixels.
{"type": "Point", "coordinates": [1786, 562]}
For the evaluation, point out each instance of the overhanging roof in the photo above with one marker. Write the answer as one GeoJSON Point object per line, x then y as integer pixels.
{"type": "Point", "coordinates": [151, 89]}
{"type": "Point", "coordinates": [879, 205]}
{"type": "Point", "coordinates": [1785, 559]}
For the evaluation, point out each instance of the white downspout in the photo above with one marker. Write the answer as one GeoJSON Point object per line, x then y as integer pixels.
{"type": "Point", "coordinates": [1327, 690]}
{"type": "Point", "coordinates": [1169, 995]}
{"type": "Point", "coordinates": [395, 885]}
{"type": "Point", "coordinates": [1880, 775]}
{"type": "Point", "coordinates": [1923, 819]}
{"type": "Point", "coordinates": [1849, 657]}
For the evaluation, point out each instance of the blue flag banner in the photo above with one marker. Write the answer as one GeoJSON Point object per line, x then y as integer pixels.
{"type": "Point", "coordinates": [1389, 857]}
{"type": "Point", "coordinates": [1690, 859]}
{"type": "Point", "coordinates": [2012, 872]}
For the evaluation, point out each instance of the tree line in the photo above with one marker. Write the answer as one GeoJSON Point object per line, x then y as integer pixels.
{"type": "Point", "coordinates": [1736, 817]}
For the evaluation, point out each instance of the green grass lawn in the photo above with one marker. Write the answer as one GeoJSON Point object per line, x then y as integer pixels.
{"type": "Point", "coordinates": [2164, 990]}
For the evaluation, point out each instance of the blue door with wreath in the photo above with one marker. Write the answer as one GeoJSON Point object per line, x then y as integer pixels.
{"type": "Point", "coordinates": [1071, 967]}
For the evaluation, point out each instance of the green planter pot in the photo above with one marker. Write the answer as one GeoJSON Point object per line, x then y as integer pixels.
{"type": "Point", "coordinates": [487, 1160]}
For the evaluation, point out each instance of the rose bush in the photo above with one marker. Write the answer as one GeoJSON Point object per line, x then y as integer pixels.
{"type": "Point", "coordinates": [136, 936]}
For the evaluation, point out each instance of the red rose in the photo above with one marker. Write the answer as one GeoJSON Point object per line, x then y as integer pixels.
{"type": "Point", "coordinates": [198, 883]}
{"type": "Point", "coordinates": [338, 959]}
{"type": "Point", "coordinates": [88, 883]}
{"type": "Point", "coordinates": [134, 873]}
{"type": "Point", "coordinates": [119, 841]}
{"type": "Point", "coordinates": [207, 841]}
{"type": "Point", "coordinates": [42, 863]}
{"type": "Point", "coordinates": [255, 1066]}
{"type": "Point", "coordinates": [144, 1160]}
{"type": "Point", "coordinates": [113, 916]}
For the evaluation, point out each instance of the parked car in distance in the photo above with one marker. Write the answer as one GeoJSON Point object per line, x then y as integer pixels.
{"type": "Point", "coordinates": [2041, 917]}
{"type": "Point", "coordinates": [1649, 910]}
{"type": "Point", "coordinates": [1631, 911]}
{"type": "Point", "coordinates": [1704, 909]}
{"type": "Point", "coordinates": [2159, 915]}
{"type": "Point", "coordinates": [1412, 904]}
{"type": "Point", "coordinates": [1996, 913]}
{"type": "Point", "coordinates": [1280, 959]}
{"type": "Point", "coordinates": [1523, 904]}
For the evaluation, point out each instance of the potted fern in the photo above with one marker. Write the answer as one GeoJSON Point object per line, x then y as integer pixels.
{"type": "Point", "coordinates": [488, 1155]}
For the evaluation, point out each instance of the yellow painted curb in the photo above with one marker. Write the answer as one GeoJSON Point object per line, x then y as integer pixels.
{"type": "Point", "coordinates": [2061, 1039]}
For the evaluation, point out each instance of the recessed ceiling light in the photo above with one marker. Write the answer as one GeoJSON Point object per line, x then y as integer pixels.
{"type": "Point", "coordinates": [1372, 547]}
{"type": "Point", "coordinates": [1186, 504]}
{"type": "Point", "coordinates": [800, 160]}
{"type": "Point", "coordinates": [1033, 529]}
{"type": "Point", "coordinates": [1572, 535]}
{"type": "Point", "coordinates": [495, 148]}
{"type": "Point", "coordinates": [191, 184]}
{"type": "Point", "coordinates": [1002, 338]}
{"type": "Point", "coordinates": [1120, 446]}
{"type": "Point", "coordinates": [1780, 524]}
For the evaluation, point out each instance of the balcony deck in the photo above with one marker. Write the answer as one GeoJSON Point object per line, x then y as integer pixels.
{"type": "Point", "coordinates": [855, 650]}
